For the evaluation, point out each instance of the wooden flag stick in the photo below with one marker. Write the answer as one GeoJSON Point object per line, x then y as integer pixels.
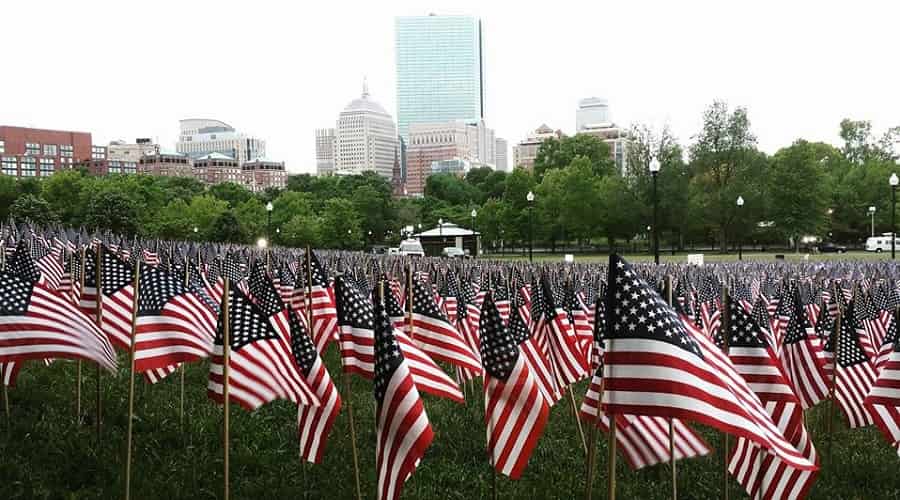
{"type": "Point", "coordinates": [577, 421]}
{"type": "Point", "coordinates": [226, 351]}
{"type": "Point", "coordinates": [837, 349]}
{"type": "Point", "coordinates": [137, 274]}
{"type": "Point", "coordinates": [187, 282]}
{"type": "Point", "coordinates": [611, 495]}
{"type": "Point", "coordinates": [592, 451]}
{"type": "Point", "coordinates": [78, 364]}
{"type": "Point", "coordinates": [5, 399]}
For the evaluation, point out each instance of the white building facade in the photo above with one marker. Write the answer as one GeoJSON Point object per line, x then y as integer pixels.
{"type": "Point", "coordinates": [324, 151]}
{"type": "Point", "coordinates": [200, 137]}
{"type": "Point", "coordinates": [501, 155]}
{"type": "Point", "coordinates": [365, 138]}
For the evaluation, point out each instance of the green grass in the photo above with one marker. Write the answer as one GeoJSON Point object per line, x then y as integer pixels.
{"type": "Point", "coordinates": [45, 454]}
{"type": "Point", "coordinates": [707, 257]}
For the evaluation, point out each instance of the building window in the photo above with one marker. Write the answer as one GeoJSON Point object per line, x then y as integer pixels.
{"type": "Point", "coordinates": [2, 146]}
{"type": "Point", "coordinates": [47, 166]}
{"type": "Point", "coordinates": [49, 149]}
{"type": "Point", "coordinates": [66, 151]}
{"type": "Point", "coordinates": [28, 167]}
{"type": "Point", "coordinates": [114, 167]}
{"type": "Point", "coordinates": [129, 167]}
{"type": "Point", "coordinates": [98, 153]}
{"type": "Point", "coordinates": [9, 166]}
{"type": "Point", "coordinates": [32, 148]}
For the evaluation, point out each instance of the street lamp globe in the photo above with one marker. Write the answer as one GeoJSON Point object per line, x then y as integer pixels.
{"type": "Point", "coordinates": [529, 197]}
{"type": "Point", "coordinates": [262, 243]}
{"type": "Point", "coordinates": [894, 180]}
{"type": "Point", "coordinates": [740, 201]}
{"type": "Point", "coordinates": [196, 229]}
{"type": "Point", "coordinates": [440, 222]}
{"type": "Point", "coordinates": [872, 209]}
{"type": "Point", "coordinates": [269, 207]}
{"type": "Point", "coordinates": [474, 213]}
{"type": "Point", "coordinates": [654, 166]}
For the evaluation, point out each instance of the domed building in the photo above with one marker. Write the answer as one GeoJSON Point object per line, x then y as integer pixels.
{"type": "Point", "coordinates": [365, 138]}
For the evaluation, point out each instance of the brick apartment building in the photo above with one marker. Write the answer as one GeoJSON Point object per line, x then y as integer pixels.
{"type": "Point", "coordinates": [30, 152]}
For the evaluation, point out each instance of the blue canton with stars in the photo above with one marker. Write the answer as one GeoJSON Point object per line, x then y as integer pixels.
{"type": "Point", "coordinates": [387, 353]}
{"type": "Point", "coordinates": [635, 310]}
{"type": "Point", "coordinates": [499, 349]}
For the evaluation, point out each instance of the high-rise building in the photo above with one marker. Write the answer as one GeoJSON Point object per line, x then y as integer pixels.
{"type": "Point", "coordinates": [440, 70]}
{"type": "Point", "coordinates": [133, 152]}
{"type": "Point", "coordinates": [501, 155]}
{"type": "Point", "coordinates": [202, 137]}
{"type": "Point", "coordinates": [324, 151]}
{"type": "Point", "coordinates": [526, 151]}
{"type": "Point", "coordinates": [592, 112]}
{"type": "Point", "coordinates": [468, 144]}
{"type": "Point", "coordinates": [29, 152]}
{"type": "Point", "coordinates": [593, 118]}
{"type": "Point", "coordinates": [365, 138]}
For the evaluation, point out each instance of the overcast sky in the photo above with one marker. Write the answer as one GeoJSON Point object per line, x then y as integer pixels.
{"type": "Point", "coordinates": [278, 70]}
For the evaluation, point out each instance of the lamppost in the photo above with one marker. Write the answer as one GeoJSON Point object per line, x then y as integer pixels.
{"type": "Point", "coordinates": [872, 215]}
{"type": "Point", "coordinates": [269, 208]}
{"type": "Point", "coordinates": [654, 170]}
{"type": "Point", "coordinates": [740, 203]}
{"type": "Point", "coordinates": [196, 229]}
{"type": "Point", "coordinates": [894, 180]}
{"type": "Point", "coordinates": [474, 235]}
{"type": "Point", "coordinates": [530, 198]}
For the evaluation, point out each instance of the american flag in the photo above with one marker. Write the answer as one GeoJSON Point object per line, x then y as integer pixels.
{"type": "Point", "coordinates": [9, 372]}
{"type": "Point", "coordinates": [578, 318]}
{"type": "Point", "coordinates": [401, 424]}
{"type": "Point", "coordinates": [825, 331]}
{"type": "Point", "coordinates": [710, 315]}
{"type": "Point", "coordinates": [314, 423]}
{"type": "Point", "coordinates": [261, 365]}
{"type": "Point", "coordinates": [754, 359]}
{"type": "Point", "coordinates": [324, 315]}
{"type": "Point", "coordinates": [654, 365]}
{"type": "Point", "coordinates": [515, 411]}
{"type": "Point", "coordinates": [117, 286]}
{"type": "Point", "coordinates": [70, 282]}
{"type": "Point", "coordinates": [436, 336]}
{"type": "Point", "coordinates": [883, 400]}
{"type": "Point", "coordinates": [855, 374]}
{"type": "Point", "coordinates": [887, 347]}
{"type": "Point", "coordinates": [49, 261]}
{"type": "Point", "coordinates": [569, 361]}
{"type": "Point", "coordinates": [173, 324]}
{"type": "Point", "coordinates": [356, 320]}
{"type": "Point", "coordinates": [38, 323]}
{"type": "Point", "coordinates": [538, 364]}
{"type": "Point", "coordinates": [802, 359]}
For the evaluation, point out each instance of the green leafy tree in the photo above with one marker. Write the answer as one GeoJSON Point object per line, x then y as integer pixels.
{"type": "Point", "coordinates": [234, 194]}
{"type": "Point", "coordinates": [860, 145]}
{"type": "Point", "coordinates": [203, 212]}
{"type": "Point", "coordinates": [726, 165]}
{"type": "Point", "coordinates": [302, 230]}
{"type": "Point", "coordinates": [253, 218]}
{"type": "Point", "coordinates": [797, 195]}
{"type": "Point", "coordinates": [32, 208]}
{"type": "Point", "coordinates": [173, 222]}
{"type": "Point", "coordinates": [228, 228]}
{"type": "Point", "coordinates": [559, 153]}
{"type": "Point", "coordinates": [9, 192]}
{"type": "Point", "coordinates": [341, 225]}
{"type": "Point", "coordinates": [114, 211]}
{"type": "Point", "coordinates": [64, 192]}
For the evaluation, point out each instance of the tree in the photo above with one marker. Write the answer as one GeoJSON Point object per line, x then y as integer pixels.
{"type": "Point", "coordinates": [112, 210]}
{"type": "Point", "coordinates": [173, 222]}
{"type": "Point", "coordinates": [515, 205]}
{"type": "Point", "coordinates": [558, 153]}
{"type": "Point", "coordinates": [32, 208]}
{"type": "Point", "coordinates": [64, 192]}
{"type": "Point", "coordinates": [234, 194]}
{"type": "Point", "coordinates": [861, 147]}
{"type": "Point", "coordinates": [228, 228]}
{"type": "Point", "coordinates": [567, 202]}
{"type": "Point", "coordinates": [252, 215]}
{"type": "Point", "coordinates": [302, 230]}
{"type": "Point", "coordinates": [725, 161]}
{"type": "Point", "coordinates": [9, 192]}
{"type": "Point", "coordinates": [449, 188]}
{"type": "Point", "coordinates": [341, 225]}
{"type": "Point", "coordinates": [203, 212]}
{"type": "Point", "coordinates": [797, 194]}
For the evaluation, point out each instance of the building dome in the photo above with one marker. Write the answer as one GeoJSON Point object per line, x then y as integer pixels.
{"type": "Point", "coordinates": [364, 104]}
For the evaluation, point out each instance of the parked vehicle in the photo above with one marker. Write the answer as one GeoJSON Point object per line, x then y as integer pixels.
{"type": "Point", "coordinates": [881, 243]}
{"type": "Point", "coordinates": [379, 250]}
{"type": "Point", "coordinates": [831, 248]}
{"type": "Point", "coordinates": [393, 251]}
{"type": "Point", "coordinates": [412, 248]}
{"type": "Point", "coordinates": [454, 253]}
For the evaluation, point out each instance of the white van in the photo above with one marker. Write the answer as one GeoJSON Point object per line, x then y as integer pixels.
{"type": "Point", "coordinates": [411, 247]}
{"type": "Point", "coordinates": [881, 243]}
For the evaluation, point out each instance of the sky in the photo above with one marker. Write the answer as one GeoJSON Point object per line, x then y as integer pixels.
{"type": "Point", "coordinates": [279, 70]}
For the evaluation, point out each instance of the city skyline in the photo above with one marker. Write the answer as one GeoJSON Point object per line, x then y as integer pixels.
{"type": "Point", "coordinates": [786, 63]}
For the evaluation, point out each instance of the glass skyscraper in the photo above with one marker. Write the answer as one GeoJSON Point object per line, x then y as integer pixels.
{"type": "Point", "coordinates": [440, 70]}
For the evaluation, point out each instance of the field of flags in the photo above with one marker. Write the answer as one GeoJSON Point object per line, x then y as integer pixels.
{"type": "Point", "coordinates": [391, 377]}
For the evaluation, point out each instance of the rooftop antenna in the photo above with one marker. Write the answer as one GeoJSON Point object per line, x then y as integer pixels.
{"type": "Point", "coordinates": [365, 87]}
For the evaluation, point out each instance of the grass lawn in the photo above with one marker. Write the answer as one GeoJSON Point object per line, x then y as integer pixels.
{"type": "Point", "coordinates": [45, 454]}
{"type": "Point", "coordinates": [707, 257]}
